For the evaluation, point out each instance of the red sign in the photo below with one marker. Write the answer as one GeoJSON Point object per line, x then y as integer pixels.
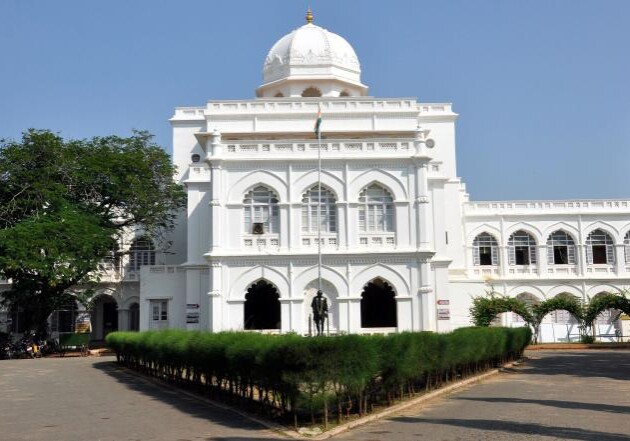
{"type": "Point", "coordinates": [443, 302]}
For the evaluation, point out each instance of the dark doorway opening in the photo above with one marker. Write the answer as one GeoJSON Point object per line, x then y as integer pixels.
{"type": "Point", "coordinates": [262, 307]}
{"type": "Point", "coordinates": [110, 317]}
{"type": "Point", "coordinates": [378, 305]}
{"type": "Point", "coordinates": [134, 317]}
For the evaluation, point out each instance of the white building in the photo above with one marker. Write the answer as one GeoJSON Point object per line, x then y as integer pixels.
{"type": "Point", "coordinates": [403, 248]}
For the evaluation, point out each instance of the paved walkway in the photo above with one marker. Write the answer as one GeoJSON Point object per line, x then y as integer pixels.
{"type": "Point", "coordinates": [554, 396]}
{"type": "Point", "coordinates": [87, 399]}
{"type": "Point", "coordinates": [581, 395]}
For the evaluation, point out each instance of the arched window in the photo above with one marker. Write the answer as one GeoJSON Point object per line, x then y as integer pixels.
{"type": "Point", "coordinates": [626, 247]}
{"type": "Point", "coordinates": [279, 95]}
{"type": "Point", "coordinates": [311, 92]}
{"type": "Point", "coordinates": [345, 93]}
{"type": "Point", "coordinates": [142, 252]}
{"type": "Point", "coordinates": [310, 209]}
{"type": "Point", "coordinates": [485, 250]}
{"type": "Point", "coordinates": [376, 210]}
{"type": "Point", "coordinates": [599, 248]}
{"type": "Point", "coordinates": [560, 249]}
{"type": "Point", "coordinates": [261, 214]}
{"type": "Point", "coordinates": [522, 249]}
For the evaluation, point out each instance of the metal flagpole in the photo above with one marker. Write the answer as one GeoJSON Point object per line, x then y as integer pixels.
{"type": "Point", "coordinates": [319, 210]}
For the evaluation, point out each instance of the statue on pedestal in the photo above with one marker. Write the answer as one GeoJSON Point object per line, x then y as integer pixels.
{"type": "Point", "coordinates": [319, 305]}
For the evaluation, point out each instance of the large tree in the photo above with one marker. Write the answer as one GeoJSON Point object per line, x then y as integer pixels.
{"type": "Point", "coordinates": [65, 203]}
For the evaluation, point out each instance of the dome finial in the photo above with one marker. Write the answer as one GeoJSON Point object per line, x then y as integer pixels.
{"type": "Point", "coordinates": [309, 15]}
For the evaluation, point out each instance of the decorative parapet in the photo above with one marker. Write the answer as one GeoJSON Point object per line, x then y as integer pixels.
{"type": "Point", "coordinates": [546, 207]}
{"type": "Point", "coordinates": [345, 147]}
{"type": "Point", "coordinates": [310, 106]}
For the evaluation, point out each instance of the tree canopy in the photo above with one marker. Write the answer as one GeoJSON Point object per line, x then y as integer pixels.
{"type": "Point", "coordinates": [65, 203]}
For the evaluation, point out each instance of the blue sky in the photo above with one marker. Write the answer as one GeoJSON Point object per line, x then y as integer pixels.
{"type": "Point", "coordinates": [542, 87]}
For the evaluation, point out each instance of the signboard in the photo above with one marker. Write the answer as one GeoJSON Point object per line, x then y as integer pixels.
{"type": "Point", "coordinates": [444, 314]}
{"type": "Point", "coordinates": [192, 306]}
{"type": "Point", "coordinates": [443, 302]}
{"type": "Point", "coordinates": [83, 323]}
{"type": "Point", "coordinates": [192, 317]}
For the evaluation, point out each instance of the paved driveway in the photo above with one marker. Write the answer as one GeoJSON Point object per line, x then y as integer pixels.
{"type": "Point", "coordinates": [85, 399]}
{"type": "Point", "coordinates": [553, 396]}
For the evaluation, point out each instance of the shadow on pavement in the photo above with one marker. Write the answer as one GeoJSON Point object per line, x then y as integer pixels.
{"type": "Point", "coordinates": [182, 402]}
{"type": "Point", "coordinates": [594, 363]}
{"type": "Point", "coordinates": [553, 403]}
{"type": "Point", "coordinates": [521, 428]}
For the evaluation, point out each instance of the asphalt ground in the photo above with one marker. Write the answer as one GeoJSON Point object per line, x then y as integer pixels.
{"type": "Point", "coordinates": [554, 395]}
{"type": "Point", "coordinates": [90, 398]}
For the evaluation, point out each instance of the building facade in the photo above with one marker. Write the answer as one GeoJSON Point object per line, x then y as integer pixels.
{"type": "Point", "coordinates": [402, 246]}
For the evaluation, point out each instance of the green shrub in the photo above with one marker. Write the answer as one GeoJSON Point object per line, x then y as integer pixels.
{"type": "Point", "coordinates": [289, 375]}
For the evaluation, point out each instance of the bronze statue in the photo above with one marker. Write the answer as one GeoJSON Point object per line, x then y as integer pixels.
{"type": "Point", "coordinates": [319, 305]}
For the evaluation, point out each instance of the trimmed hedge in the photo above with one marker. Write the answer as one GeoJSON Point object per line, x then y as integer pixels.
{"type": "Point", "coordinates": [310, 379]}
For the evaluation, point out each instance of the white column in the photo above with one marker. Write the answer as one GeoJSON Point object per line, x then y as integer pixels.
{"type": "Point", "coordinates": [582, 264]}
{"type": "Point", "coordinates": [193, 299]}
{"type": "Point", "coordinates": [620, 259]}
{"type": "Point", "coordinates": [216, 298]}
{"type": "Point", "coordinates": [123, 319]}
{"type": "Point", "coordinates": [542, 260]}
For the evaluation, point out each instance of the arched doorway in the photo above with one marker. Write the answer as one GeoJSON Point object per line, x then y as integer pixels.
{"type": "Point", "coordinates": [134, 317]}
{"type": "Point", "coordinates": [607, 325]}
{"type": "Point", "coordinates": [330, 293]}
{"type": "Point", "coordinates": [560, 325]}
{"type": "Point", "coordinates": [104, 316]}
{"type": "Point", "coordinates": [262, 307]}
{"type": "Point", "coordinates": [378, 305]}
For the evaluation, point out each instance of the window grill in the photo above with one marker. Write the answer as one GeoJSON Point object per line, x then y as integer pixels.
{"type": "Point", "coordinates": [142, 252]}
{"type": "Point", "coordinates": [260, 205]}
{"type": "Point", "coordinates": [521, 249]}
{"type": "Point", "coordinates": [485, 250]}
{"type": "Point", "coordinates": [560, 249]}
{"type": "Point", "coordinates": [600, 248]}
{"type": "Point", "coordinates": [310, 211]}
{"type": "Point", "coordinates": [376, 210]}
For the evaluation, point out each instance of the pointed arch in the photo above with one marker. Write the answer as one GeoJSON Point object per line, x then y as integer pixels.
{"type": "Point", "coordinates": [571, 230]}
{"type": "Point", "coordinates": [485, 249]}
{"type": "Point", "coordinates": [307, 180]}
{"type": "Point", "coordinates": [561, 248]}
{"type": "Point", "coordinates": [378, 305]}
{"type": "Point", "coordinates": [261, 309]}
{"type": "Point", "coordinates": [609, 228]}
{"type": "Point", "coordinates": [244, 280]}
{"type": "Point", "coordinates": [253, 179]}
{"type": "Point", "coordinates": [379, 270]}
{"type": "Point", "coordinates": [531, 289]}
{"type": "Point", "coordinates": [529, 228]}
{"type": "Point", "coordinates": [483, 228]}
{"type": "Point", "coordinates": [600, 248]}
{"type": "Point", "coordinates": [334, 277]}
{"type": "Point", "coordinates": [522, 248]}
{"type": "Point", "coordinates": [567, 289]}
{"type": "Point", "coordinates": [380, 177]}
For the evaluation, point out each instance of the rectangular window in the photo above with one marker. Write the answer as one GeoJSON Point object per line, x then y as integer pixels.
{"type": "Point", "coordinates": [560, 255]}
{"type": "Point", "coordinates": [485, 255]}
{"type": "Point", "coordinates": [599, 254]}
{"type": "Point", "coordinates": [521, 253]}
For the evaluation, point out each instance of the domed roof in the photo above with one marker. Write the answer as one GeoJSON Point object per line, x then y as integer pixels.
{"type": "Point", "coordinates": [311, 45]}
{"type": "Point", "coordinates": [312, 52]}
